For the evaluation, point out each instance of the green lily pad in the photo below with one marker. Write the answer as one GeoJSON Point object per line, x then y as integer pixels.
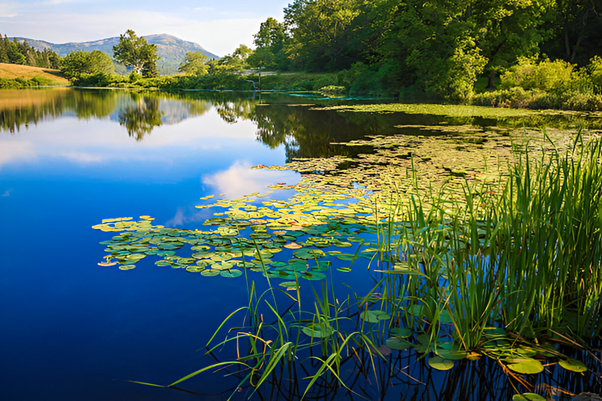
{"type": "Point", "coordinates": [374, 316]}
{"type": "Point", "coordinates": [398, 344]}
{"type": "Point", "coordinates": [573, 365]}
{"type": "Point", "coordinates": [527, 397]}
{"type": "Point", "coordinates": [344, 269]}
{"type": "Point", "coordinates": [319, 330]}
{"type": "Point", "coordinates": [309, 253]}
{"type": "Point", "coordinates": [526, 366]}
{"type": "Point", "coordinates": [313, 276]}
{"type": "Point", "coordinates": [232, 273]}
{"type": "Point", "coordinates": [451, 354]}
{"type": "Point", "coordinates": [400, 332]}
{"type": "Point", "coordinates": [210, 272]}
{"type": "Point", "coordinates": [439, 363]}
{"type": "Point", "coordinates": [289, 284]}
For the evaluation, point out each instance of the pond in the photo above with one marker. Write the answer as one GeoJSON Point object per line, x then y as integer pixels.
{"type": "Point", "coordinates": [72, 161]}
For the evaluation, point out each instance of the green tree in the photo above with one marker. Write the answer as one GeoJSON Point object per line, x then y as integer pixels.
{"type": "Point", "coordinates": [271, 42]}
{"type": "Point", "coordinates": [235, 62]}
{"type": "Point", "coordinates": [195, 63]}
{"type": "Point", "coordinates": [321, 33]}
{"type": "Point", "coordinates": [101, 62]}
{"type": "Point", "coordinates": [135, 52]}
{"type": "Point", "coordinates": [78, 63]}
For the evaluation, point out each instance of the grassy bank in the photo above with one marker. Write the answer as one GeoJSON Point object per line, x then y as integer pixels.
{"type": "Point", "coordinates": [15, 76]}
{"type": "Point", "coordinates": [223, 81]}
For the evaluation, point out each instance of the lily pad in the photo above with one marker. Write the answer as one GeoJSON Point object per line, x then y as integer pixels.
{"type": "Point", "coordinates": [439, 363]}
{"type": "Point", "coordinates": [309, 253]}
{"type": "Point", "coordinates": [527, 397]}
{"type": "Point", "coordinates": [400, 332]}
{"type": "Point", "coordinates": [374, 316]}
{"type": "Point", "coordinates": [319, 330]}
{"type": "Point", "coordinates": [526, 366]}
{"type": "Point", "coordinates": [573, 365]}
{"type": "Point", "coordinates": [398, 344]}
{"type": "Point", "coordinates": [313, 276]}
{"type": "Point", "coordinates": [232, 273]}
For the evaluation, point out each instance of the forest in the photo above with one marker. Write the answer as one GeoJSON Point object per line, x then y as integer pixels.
{"type": "Point", "coordinates": [439, 47]}
{"type": "Point", "coordinates": [15, 52]}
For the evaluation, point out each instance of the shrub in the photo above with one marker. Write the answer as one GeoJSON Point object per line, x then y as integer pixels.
{"type": "Point", "coordinates": [550, 76]}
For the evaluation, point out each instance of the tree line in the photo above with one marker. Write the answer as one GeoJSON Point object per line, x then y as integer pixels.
{"type": "Point", "coordinates": [438, 46]}
{"type": "Point", "coordinates": [15, 52]}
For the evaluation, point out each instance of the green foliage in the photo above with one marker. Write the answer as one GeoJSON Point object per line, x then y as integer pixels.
{"type": "Point", "coordinates": [136, 53]}
{"type": "Point", "coordinates": [18, 83]}
{"type": "Point", "coordinates": [14, 52]}
{"type": "Point", "coordinates": [548, 84]}
{"type": "Point", "coordinates": [79, 63]}
{"type": "Point", "coordinates": [550, 76]}
{"type": "Point", "coordinates": [195, 63]}
{"type": "Point", "coordinates": [270, 42]}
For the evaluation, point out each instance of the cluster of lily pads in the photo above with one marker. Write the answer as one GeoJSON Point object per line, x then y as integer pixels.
{"type": "Point", "coordinates": [333, 207]}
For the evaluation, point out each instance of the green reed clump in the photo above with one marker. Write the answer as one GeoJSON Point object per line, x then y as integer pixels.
{"type": "Point", "coordinates": [550, 241]}
{"type": "Point", "coordinates": [528, 259]}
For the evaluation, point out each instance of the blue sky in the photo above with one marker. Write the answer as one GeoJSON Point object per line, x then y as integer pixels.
{"type": "Point", "coordinates": [218, 26]}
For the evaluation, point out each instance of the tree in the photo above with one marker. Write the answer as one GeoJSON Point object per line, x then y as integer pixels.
{"type": "Point", "coordinates": [101, 62]}
{"type": "Point", "coordinates": [235, 62]}
{"type": "Point", "coordinates": [75, 64]}
{"type": "Point", "coordinates": [270, 42]}
{"type": "Point", "coordinates": [321, 33]}
{"type": "Point", "coordinates": [195, 63]}
{"type": "Point", "coordinates": [135, 52]}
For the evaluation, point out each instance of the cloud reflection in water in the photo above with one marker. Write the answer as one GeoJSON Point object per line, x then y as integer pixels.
{"type": "Point", "coordinates": [240, 180]}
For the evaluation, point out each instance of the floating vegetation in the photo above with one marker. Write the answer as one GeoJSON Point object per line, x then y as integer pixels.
{"type": "Point", "coordinates": [452, 110]}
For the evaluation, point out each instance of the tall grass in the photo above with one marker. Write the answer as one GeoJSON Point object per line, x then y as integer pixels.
{"type": "Point", "coordinates": [528, 260]}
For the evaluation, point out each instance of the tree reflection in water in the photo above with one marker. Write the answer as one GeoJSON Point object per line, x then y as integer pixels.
{"type": "Point", "coordinates": [142, 117]}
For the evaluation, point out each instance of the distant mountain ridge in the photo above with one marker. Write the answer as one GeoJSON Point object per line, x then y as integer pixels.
{"type": "Point", "coordinates": [170, 48]}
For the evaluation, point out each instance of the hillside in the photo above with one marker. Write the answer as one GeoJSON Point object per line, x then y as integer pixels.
{"type": "Point", "coordinates": [12, 71]}
{"type": "Point", "coordinates": [171, 49]}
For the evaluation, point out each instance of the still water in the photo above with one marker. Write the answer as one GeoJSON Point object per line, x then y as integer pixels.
{"type": "Point", "coordinates": [72, 330]}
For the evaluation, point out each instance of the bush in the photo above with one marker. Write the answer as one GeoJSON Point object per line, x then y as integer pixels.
{"type": "Point", "coordinates": [332, 90]}
{"type": "Point", "coordinates": [550, 76]}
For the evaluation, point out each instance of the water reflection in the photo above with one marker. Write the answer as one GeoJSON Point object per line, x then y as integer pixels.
{"type": "Point", "coordinates": [141, 117]}
{"type": "Point", "coordinates": [302, 130]}
{"type": "Point", "coordinates": [240, 180]}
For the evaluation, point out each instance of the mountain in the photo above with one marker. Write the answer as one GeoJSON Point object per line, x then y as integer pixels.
{"type": "Point", "coordinates": [171, 49]}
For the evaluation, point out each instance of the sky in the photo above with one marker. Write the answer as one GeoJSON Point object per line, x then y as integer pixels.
{"type": "Point", "coordinates": [218, 26]}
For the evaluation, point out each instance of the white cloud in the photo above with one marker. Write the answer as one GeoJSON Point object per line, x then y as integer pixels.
{"type": "Point", "coordinates": [6, 194]}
